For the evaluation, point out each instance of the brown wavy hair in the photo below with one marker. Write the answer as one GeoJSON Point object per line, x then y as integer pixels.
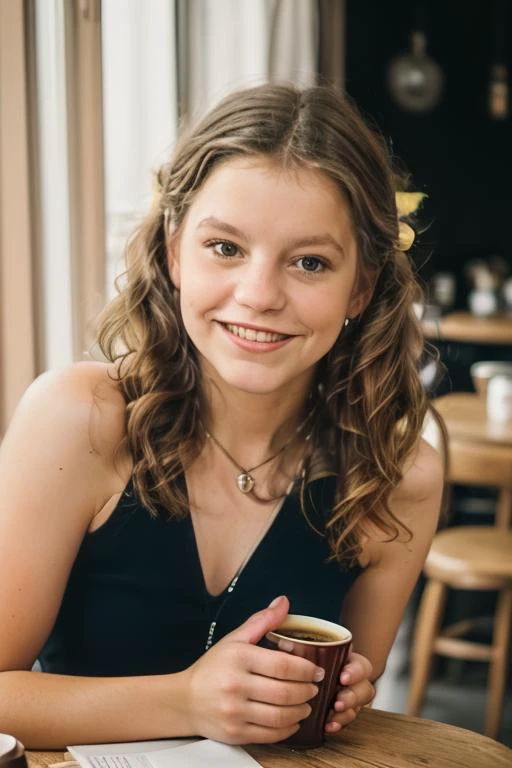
{"type": "Point", "coordinates": [371, 403]}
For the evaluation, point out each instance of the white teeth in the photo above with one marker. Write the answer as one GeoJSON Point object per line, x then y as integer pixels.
{"type": "Point", "coordinates": [251, 335]}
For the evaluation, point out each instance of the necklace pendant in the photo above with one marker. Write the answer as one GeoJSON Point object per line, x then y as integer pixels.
{"type": "Point", "coordinates": [245, 482]}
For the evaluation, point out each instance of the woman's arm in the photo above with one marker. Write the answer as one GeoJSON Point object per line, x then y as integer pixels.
{"type": "Point", "coordinates": [374, 607]}
{"type": "Point", "coordinates": [47, 711]}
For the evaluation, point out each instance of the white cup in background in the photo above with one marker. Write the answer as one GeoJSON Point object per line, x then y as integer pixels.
{"type": "Point", "coordinates": [483, 303]}
{"type": "Point", "coordinates": [499, 398]}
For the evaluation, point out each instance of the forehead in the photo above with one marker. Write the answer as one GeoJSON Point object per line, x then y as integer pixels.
{"type": "Point", "coordinates": [259, 187]}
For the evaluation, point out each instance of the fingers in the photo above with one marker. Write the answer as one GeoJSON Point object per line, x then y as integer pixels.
{"type": "Point", "coordinates": [259, 734]}
{"type": "Point", "coordinates": [358, 691]}
{"type": "Point", "coordinates": [279, 692]}
{"type": "Point", "coordinates": [282, 666]}
{"type": "Point", "coordinates": [357, 668]}
{"type": "Point", "coordinates": [262, 622]}
{"type": "Point", "coordinates": [336, 721]}
{"type": "Point", "coordinates": [272, 716]}
{"type": "Point", "coordinates": [356, 696]}
{"type": "Point", "coordinates": [349, 702]}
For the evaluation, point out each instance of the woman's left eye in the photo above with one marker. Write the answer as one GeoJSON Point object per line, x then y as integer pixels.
{"type": "Point", "coordinates": [224, 248]}
{"type": "Point", "coordinates": [310, 264]}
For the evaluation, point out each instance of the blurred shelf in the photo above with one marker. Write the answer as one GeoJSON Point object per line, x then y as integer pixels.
{"type": "Point", "coordinates": [463, 326]}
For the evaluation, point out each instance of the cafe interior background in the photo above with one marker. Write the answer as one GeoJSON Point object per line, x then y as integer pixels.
{"type": "Point", "coordinates": [92, 93]}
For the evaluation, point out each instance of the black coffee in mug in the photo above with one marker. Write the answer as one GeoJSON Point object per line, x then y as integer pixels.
{"type": "Point", "coordinates": [311, 635]}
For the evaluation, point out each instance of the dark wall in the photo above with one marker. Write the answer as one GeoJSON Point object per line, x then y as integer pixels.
{"type": "Point", "coordinates": [457, 153]}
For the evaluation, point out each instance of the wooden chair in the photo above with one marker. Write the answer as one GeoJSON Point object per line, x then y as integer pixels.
{"type": "Point", "coordinates": [469, 557]}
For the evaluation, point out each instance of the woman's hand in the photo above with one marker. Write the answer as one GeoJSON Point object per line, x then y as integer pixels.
{"type": "Point", "coordinates": [357, 691]}
{"type": "Point", "coordinates": [240, 693]}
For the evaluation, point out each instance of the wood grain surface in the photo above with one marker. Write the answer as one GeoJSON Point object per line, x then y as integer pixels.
{"type": "Point", "coordinates": [375, 740]}
{"type": "Point", "coordinates": [465, 414]}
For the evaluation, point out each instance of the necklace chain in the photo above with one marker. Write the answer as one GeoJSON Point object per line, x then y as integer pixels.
{"type": "Point", "coordinates": [245, 481]}
{"type": "Point", "coordinates": [233, 582]}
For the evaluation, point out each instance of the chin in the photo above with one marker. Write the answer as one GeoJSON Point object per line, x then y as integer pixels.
{"type": "Point", "coordinates": [253, 385]}
{"type": "Point", "coordinates": [252, 380]}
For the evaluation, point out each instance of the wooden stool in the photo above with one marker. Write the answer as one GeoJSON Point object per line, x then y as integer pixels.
{"type": "Point", "coordinates": [467, 557]}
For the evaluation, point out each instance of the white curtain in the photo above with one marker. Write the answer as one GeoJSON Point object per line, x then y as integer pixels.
{"type": "Point", "coordinates": [56, 290]}
{"type": "Point", "coordinates": [228, 44]}
{"type": "Point", "coordinates": [140, 110]}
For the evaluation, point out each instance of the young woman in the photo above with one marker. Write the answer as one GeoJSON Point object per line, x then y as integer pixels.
{"type": "Point", "coordinates": [251, 446]}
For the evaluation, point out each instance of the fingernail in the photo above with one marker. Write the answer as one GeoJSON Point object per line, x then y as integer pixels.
{"type": "Point", "coordinates": [319, 674]}
{"type": "Point", "coordinates": [285, 645]}
{"type": "Point", "coordinates": [345, 678]}
{"type": "Point", "coordinates": [276, 601]}
{"type": "Point", "coordinates": [339, 706]}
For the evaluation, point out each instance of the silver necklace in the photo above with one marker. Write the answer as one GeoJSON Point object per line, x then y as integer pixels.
{"type": "Point", "coordinates": [245, 481]}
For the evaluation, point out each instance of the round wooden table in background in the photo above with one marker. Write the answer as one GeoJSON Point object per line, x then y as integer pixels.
{"type": "Point", "coordinates": [375, 740]}
{"type": "Point", "coordinates": [480, 450]}
{"type": "Point", "coordinates": [465, 414]}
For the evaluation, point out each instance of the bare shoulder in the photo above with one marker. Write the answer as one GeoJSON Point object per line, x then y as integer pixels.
{"type": "Point", "coordinates": [86, 396]}
{"type": "Point", "coordinates": [69, 421]}
{"type": "Point", "coordinates": [423, 475]}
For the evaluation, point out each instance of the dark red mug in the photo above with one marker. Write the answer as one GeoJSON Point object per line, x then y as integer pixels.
{"type": "Point", "coordinates": [327, 645]}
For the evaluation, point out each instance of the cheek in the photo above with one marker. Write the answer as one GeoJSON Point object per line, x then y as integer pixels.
{"type": "Point", "coordinates": [194, 287]}
{"type": "Point", "coordinates": [204, 288]}
{"type": "Point", "coordinates": [327, 311]}
{"type": "Point", "coordinates": [197, 299]}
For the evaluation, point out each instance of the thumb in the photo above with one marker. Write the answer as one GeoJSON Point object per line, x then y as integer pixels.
{"type": "Point", "coordinates": [262, 622]}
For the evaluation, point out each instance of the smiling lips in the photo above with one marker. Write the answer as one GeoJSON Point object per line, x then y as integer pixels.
{"type": "Point", "coordinates": [251, 334]}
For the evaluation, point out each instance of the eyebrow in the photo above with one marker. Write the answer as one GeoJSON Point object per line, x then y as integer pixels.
{"type": "Point", "coordinates": [211, 221]}
{"type": "Point", "coordinates": [302, 242]}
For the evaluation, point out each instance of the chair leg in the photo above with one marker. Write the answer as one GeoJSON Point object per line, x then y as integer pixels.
{"type": "Point", "coordinates": [427, 629]}
{"type": "Point", "coordinates": [499, 663]}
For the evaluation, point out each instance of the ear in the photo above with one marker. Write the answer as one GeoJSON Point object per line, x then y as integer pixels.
{"type": "Point", "coordinates": [173, 262]}
{"type": "Point", "coordinates": [361, 294]}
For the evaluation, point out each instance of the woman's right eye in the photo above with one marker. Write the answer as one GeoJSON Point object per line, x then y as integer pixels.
{"type": "Point", "coordinates": [224, 248]}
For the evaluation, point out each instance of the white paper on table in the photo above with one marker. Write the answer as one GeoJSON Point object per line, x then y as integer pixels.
{"type": "Point", "coordinates": [176, 753]}
{"type": "Point", "coordinates": [130, 753]}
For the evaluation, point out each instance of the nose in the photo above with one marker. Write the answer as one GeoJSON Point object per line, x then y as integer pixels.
{"type": "Point", "coordinates": [259, 285]}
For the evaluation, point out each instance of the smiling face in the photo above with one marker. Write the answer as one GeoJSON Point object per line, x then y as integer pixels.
{"type": "Point", "coordinates": [266, 265]}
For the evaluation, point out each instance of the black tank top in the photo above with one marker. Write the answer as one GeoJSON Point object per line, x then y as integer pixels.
{"type": "Point", "coordinates": [136, 601]}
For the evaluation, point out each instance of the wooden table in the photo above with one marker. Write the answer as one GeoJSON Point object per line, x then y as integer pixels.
{"type": "Point", "coordinates": [463, 326]}
{"type": "Point", "coordinates": [376, 740]}
{"type": "Point", "coordinates": [480, 450]}
{"type": "Point", "coordinates": [465, 415]}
